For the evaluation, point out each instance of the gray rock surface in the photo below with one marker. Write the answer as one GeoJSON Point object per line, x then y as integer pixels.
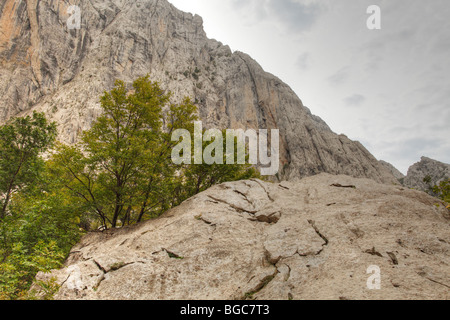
{"type": "Point", "coordinates": [44, 66]}
{"type": "Point", "coordinates": [395, 172]}
{"type": "Point", "coordinates": [426, 167]}
{"type": "Point", "coordinates": [313, 239]}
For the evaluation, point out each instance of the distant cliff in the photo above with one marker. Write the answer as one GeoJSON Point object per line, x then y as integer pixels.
{"type": "Point", "coordinates": [397, 174]}
{"type": "Point", "coordinates": [426, 173]}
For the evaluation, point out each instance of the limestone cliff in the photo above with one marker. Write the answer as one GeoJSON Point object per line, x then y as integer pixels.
{"type": "Point", "coordinates": [435, 170]}
{"type": "Point", "coordinates": [45, 66]}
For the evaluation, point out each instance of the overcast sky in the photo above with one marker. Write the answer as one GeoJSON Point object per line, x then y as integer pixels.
{"type": "Point", "coordinates": [388, 88]}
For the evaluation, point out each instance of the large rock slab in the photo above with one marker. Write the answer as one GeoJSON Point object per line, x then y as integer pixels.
{"type": "Point", "coordinates": [312, 239]}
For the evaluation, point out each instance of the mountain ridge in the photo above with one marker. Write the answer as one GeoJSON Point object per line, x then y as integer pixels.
{"type": "Point", "coordinates": [426, 169]}
{"type": "Point", "coordinates": [46, 67]}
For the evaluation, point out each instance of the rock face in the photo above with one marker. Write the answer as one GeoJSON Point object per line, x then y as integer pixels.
{"type": "Point", "coordinates": [427, 167]}
{"type": "Point", "coordinates": [47, 67]}
{"type": "Point", "coordinates": [313, 239]}
{"type": "Point", "coordinates": [395, 172]}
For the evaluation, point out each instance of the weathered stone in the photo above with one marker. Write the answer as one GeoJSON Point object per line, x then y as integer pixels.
{"type": "Point", "coordinates": [427, 168]}
{"type": "Point", "coordinates": [320, 247]}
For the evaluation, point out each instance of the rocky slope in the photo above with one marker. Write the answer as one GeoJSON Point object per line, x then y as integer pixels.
{"type": "Point", "coordinates": [426, 167]}
{"type": "Point", "coordinates": [395, 172]}
{"type": "Point", "coordinates": [45, 66]}
{"type": "Point", "coordinates": [313, 239]}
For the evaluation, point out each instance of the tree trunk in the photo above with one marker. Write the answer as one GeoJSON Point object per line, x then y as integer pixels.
{"type": "Point", "coordinates": [5, 205]}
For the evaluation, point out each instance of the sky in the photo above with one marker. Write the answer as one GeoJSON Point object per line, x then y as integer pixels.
{"type": "Point", "coordinates": [388, 88]}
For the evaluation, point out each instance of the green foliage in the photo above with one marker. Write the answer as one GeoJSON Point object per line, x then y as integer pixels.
{"type": "Point", "coordinates": [122, 168]}
{"type": "Point", "coordinates": [47, 290]}
{"type": "Point", "coordinates": [21, 142]}
{"type": "Point", "coordinates": [36, 236]}
{"type": "Point", "coordinates": [37, 225]}
{"type": "Point", "coordinates": [18, 270]}
{"type": "Point", "coordinates": [443, 190]}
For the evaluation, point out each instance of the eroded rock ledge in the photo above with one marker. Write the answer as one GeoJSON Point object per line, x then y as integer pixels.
{"type": "Point", "coordinates": [258, 240]}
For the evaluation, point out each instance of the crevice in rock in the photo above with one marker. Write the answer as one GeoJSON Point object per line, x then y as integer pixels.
{"type": "Point", "coordinates": [313, 224]}
{"type": "Point", "coordinates": [264, 188]}
{"type": "Point", "coordinates": [270, 219]}
{"type": "Point", "coordinates": [373, 252]}
{"type": "Point", "coordinates": [283, 187]}
{"type": "Point", "coordinates": [243, 195]}
{"type": "Point", "coordinates": [200, 218]}
{"type": "Point", "coordinates": [99, 266]}
{"type": "Point", "coordinates": [119, 265]}
{"type": "Point", "coordinates": [260, 286]}
{"type": "Point", "coordinates": [209, 223]}
{"type": "Point", "coordinates": [99, 281]}
{"type": "Point", "coordinates": [115, 266]}
{"type": "Point", "coordinates": [173, 255]}
{"type": "Point", "coordinates": [393, 257]}
{"type": "Point", "coordinates": [255, 90]}
{"type": "Point", "coordinates": [337, 185]}
{"type": "Point", "coordinates": [432, 280]}
{"type": "Point", "coordinates": [235, 207]}
{"type": "Point", "coordinates": [101, 276]}
{"type": "Point", "coordinates": [62, 283]}
{"type": "Point", "coordinates": [286, 278]}
{"type": "Point", "coordinates": [273, 261]}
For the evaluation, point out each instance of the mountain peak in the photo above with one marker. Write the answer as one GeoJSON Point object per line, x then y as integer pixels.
{"type": "Point", "coordinates": [427, 169]}
{"type": "Point", "coordinates": [48, 67]}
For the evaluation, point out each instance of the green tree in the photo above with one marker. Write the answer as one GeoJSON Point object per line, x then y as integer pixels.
{"type": "Point", "coordinates": [21, 143]}
{"type": "Point", "coordinates": [122, 168]}
{"type": "Point", "coordinates": [443, 191]}
{"type": "Point", "coordinates": [38, 227]}
{"type": "Point", "coordinates": [37, 235]}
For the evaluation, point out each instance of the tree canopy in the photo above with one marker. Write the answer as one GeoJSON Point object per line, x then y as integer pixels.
{"type": "Point", "coordinates": [122, 167]}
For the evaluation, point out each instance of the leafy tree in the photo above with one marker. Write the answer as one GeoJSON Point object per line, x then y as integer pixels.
{"type": "Point", "coordinates": [443, 191]}
{"type": "Point", "coordinates": [427, 180]}
{"type": "Point", "coordinates": [37, 226]}
{"type": "Point", "coordinates": [19, 270]}
{"type": "Point", "coordinates": [122, 167]}
{"type": "Point", "coordinates": [37, 235]}
{"type": "Point", "coordinates": [21, 142]}
{"type": "Point", "coordinates": [198, 178]}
